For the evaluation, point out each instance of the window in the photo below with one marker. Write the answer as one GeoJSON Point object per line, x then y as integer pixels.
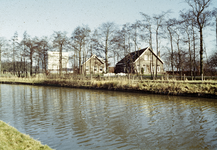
{"type": "Point", "coordinates": [87, 68]}
{"type": "Point", "coordinates": [150, 57]}
{"type": "Point", "coordinates": [100, 68]}
{"type": "Point", "coordinates": [95, 68]}
{"type": "Point", "coordinates": [146, 57]}
{"type": "Point", "coordinates": [158, 68]}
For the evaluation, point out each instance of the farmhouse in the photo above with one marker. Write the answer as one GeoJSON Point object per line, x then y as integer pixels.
{"type": "Point", "coordinates": [143, 61]}
{"type": "Point", "coordinates": [93, 65]}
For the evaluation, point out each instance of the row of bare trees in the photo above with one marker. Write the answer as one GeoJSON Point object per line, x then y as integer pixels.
{"type": "Point", "coordinates": [176, 39]}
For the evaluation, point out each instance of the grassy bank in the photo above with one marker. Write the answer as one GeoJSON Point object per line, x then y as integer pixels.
{"type": "Point", "coordinates": [206, 88]}
{"type": "Point", "coordinates": [11, 139]}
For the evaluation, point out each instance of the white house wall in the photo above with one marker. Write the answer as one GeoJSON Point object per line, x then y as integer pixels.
{"type": "Point", "coordinates": [53, 60]}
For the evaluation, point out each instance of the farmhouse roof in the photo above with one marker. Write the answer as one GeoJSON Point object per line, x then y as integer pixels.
{"type": "Point", "coordinates": [132, 57]}
{"type": "Point", "coordinates": [94, 56]}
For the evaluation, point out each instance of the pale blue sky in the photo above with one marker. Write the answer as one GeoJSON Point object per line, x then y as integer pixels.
{"type": "Point", "coordinates": [43, 17]}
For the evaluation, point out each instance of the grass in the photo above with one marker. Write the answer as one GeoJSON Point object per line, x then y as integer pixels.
{"type": "Point", "coordinates": [11, 139]}
{"type": "Point", "coordinates": [169, 87]}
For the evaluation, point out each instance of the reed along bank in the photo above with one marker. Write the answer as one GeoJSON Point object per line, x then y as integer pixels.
{"type": "Point", "coordinates": [206, 88]}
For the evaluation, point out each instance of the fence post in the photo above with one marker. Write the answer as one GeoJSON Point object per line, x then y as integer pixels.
{"type": "Point", "coordinates": [184, 77]}
{"type": "Point", "coordinates": [132, 80]}
{"type": "Point", "coordinates": [202, 77]}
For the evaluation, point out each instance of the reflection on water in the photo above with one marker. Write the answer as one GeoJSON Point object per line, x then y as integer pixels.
{"type": "Point", "coordinates": [66, 118]}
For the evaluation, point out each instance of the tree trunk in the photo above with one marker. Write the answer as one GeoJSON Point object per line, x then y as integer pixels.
{"type": "Point", "coordinates": [194, 46]}
{"type": "Point", "coordinates": [79, 60]}
{"type": "Point", "coordinates": [171, 42]}
{"type": "Point", "coordinates": [189, 50]}
{"type": "Point", "coordinates": [60, 60]}
{"type": "Point", "coordinates": [157, 51]}
{"type": "Point", "coordinates": [150, 37]}
{"type": "Point", "coordinates": [180, 60]}
{"type": "Point", "coordinates": [31, 65]}
{"type": "Point", "coordinates": [201, 51]}
{"type": "Point", "coordinates": [106, 54]}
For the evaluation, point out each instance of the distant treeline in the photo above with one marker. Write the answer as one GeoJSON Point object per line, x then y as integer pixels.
{"type": "Point", "coordinates": [177, 40]}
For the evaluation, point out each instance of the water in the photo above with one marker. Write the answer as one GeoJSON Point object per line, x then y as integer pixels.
{"type": "Point", "coordinates": [67, 118]}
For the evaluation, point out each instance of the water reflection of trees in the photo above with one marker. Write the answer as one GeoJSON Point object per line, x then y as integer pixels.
{"type": "Point", "coordinates": [92, 117]}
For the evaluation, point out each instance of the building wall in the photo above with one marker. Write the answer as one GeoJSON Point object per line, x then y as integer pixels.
{"type": "Point", "coordinates": [145, 62]}
{"type": "Point", "coordinates": [94, 66]}
{"type": "Point", "coordinates": [53, 60]}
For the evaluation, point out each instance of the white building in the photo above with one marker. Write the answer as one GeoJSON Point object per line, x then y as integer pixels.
{"type": "Point", "coordinates": [53, 61]}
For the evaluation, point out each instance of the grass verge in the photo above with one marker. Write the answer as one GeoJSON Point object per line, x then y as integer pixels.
{"type": "Point", "coordinates": [11, 139]}
{"type": "Point", "coordinates": [167, 87]}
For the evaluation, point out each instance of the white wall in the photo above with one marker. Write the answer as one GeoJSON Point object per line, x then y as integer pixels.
{"type": "Point", "coordinates": [53, 60]}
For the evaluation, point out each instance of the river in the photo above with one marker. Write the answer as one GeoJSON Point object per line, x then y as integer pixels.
{"type": "Point", "coordinates": [68, 118]}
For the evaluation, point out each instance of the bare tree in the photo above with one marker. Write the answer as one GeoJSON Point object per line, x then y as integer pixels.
{"type": "Point", "coordinates": [14, 39]}
{"type": "Point", "coordinates": [24, 51]}
{"type": "Point", "coordinates": [202, 15]}
{"type": "Point", "coordinates": [106, 33]}
{"type": "Point", "coordinates": [170, 24]}
{"type": "Point", "coordinates": [78, 37]}
{"type": "Point", "coordinates": [159, 22]}
{"type": "Point", "coordinates": [147, 25]}
{"type": "Point", "coordinates": [42, 53]}
{"type": "Point", "coordinates": [2, 43]}
{"type": "Point", "coordinates": [60, 40]}
{"type": "Point", "coordinates": [186, 23]}
{"type": "Point", "coordinates": [30, 50]}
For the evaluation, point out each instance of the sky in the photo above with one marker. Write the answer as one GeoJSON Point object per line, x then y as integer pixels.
{"type": "Point", "coordinates": [43, 17]}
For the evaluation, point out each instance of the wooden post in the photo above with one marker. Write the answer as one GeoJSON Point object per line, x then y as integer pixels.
{"type": "Point", "coordinates": [132, 80]}
{"type": "Point", "coordinates": [202, 77]}
{"type": "Point", "coordinates": [184, 77]}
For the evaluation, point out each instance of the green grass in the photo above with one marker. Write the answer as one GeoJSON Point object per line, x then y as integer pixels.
{"type": "Point", "coordinates": [11, 139]}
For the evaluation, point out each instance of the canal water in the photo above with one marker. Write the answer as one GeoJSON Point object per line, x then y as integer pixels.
{"type": "Point", "coordinates": [67, 118]}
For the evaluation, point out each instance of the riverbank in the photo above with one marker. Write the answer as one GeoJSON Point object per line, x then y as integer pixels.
{"type": "Point", "coordinates": [206, 88]}
{"type": "Point", "coordinates": [12, 139]}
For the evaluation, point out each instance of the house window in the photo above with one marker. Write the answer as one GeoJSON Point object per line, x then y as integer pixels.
{"type": "Point", "coordinates": [100, 68]}
{"type": "Point", "coordinates": [146, 57]}
{"type": "Point", "coordinates": [95, 68]}
{"type": "Point", "coordinates": [87, 68]}
{"type": "Point", "coordinates": [158, 68]}
{"type": "Point", "coordinates": [144, 67]}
